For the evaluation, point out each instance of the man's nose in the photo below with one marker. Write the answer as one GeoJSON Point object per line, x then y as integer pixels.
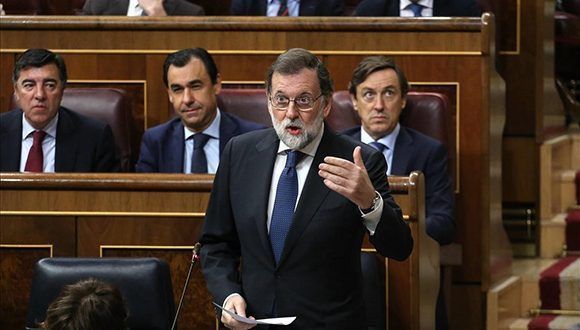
{"type": "Point", "coordinates": [188, 96]}
{"type": "Point", "coordinates": [292, 111]}
{"type": "Point", "coordinates": [39, 93]}
{"type": "Point", "coordinates": [379, 103]}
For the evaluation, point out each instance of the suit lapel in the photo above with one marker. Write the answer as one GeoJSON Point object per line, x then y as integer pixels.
{"type": "Point", "coordinates": [262, 168]}
{"type": "Point", "coordinates": [261, 6]}
{"type": "Point", "coordinates": [123, 5]}
{"type": "Point", "coordinates": [440, 8]}
{"type": "Point", "coordinates": [392, 8]}
{"type": "Point", "coordinates": [307, 8]}
{"type": "Point", "coordinates": [169, 7]}
{"type": "Point", "coordinates": [66, 143]}
{"type": "Point", "coordinates": [173, 153]}
{"type": "Point", "coordinates": [402, 154]}
{"type": "Point", "coordinates": [313, 194]}
{"type": "Point", "coordinates": [228, 129]}
{"type": "Point", "coordinates": [11, 143]}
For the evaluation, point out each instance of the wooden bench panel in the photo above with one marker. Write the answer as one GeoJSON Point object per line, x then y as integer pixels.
{"type": "Point", "coordinates": [161, 215]}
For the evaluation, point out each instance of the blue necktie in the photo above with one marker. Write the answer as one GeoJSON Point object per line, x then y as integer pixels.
{"type": "Point", "coordinates": [283, 212]}
{"type": "Point", "coordinates": [416, 9]}
{"type": "Point", "coordinates": [379, 146]}
{"type": "Point", "coordinates": [198, 161]}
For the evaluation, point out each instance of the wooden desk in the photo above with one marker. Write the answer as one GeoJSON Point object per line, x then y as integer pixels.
{"type": "Point", "coordinates": [144, 215]}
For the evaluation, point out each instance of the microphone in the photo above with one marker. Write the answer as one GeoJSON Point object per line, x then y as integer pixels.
{"type": "Point", "coordinates": [194, 258]}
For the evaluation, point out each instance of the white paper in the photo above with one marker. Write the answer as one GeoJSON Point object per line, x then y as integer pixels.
{"type": "Point", "coordinates": [273, 321]}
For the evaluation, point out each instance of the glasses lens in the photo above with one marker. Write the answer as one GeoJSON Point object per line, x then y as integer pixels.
{"type": "Point", "coordinates": [280, 101]}
{"type": "Point", "coordinates": [304, 102]}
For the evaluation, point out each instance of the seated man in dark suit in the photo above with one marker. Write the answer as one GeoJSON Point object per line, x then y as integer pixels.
{"type": "Point", "coordinates": [142, 7]}
{"type": "Point", "coordinates": [287, 7]}
{"type": "Point", "coordinates": [42, 136]}
{"type": "Point", "coordinates": [378, 90]}
{"type": "Point", "coordinates": [418, 8]}
{"type": "Point", "coordinates": [192, 142]}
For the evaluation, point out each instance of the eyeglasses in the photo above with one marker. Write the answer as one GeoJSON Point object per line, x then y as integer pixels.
{"type": "Point", "coordinates": [304, 103]}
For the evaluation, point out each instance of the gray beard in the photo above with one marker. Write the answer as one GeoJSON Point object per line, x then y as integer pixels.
{"type": "Point", "coordinates": [308, 134]}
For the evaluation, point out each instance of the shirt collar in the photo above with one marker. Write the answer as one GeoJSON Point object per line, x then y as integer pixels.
{"type": "Point", "coordinates": [50, 128]}
{"type": "Point", "coordinates": [213, 130]}
{"type": "Point", "coordinates": [425, 3]}
{"type": "Point", "coordinates": [388, 140]}
{"type": "Point", "coordinates": [309, 149]}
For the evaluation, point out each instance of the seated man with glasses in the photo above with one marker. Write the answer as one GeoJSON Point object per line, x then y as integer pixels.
{"type": "Point", "coordinates": [294, 203]}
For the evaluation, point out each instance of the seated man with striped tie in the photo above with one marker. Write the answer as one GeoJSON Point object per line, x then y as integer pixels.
{"type": "Point", "coordinates": [418, 8]}
{"type": "Point", "coordinates": [42, 136]}
{"type": "Point", "coordinates": [192, 142]}
{"type": "Point", "coordinates": [287, 7]}
{"type": "Point", "coordinates": [378, 90]}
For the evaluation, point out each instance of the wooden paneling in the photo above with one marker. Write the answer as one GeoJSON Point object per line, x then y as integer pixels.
{"type": "Point", "coordinates": [445, 51]}
{"type": "Point", "coordinates": [16, 271]}
{"type": "Point", "coordinates": [521, 154]}
{"type": "Point", "coordinates": [141, 215]}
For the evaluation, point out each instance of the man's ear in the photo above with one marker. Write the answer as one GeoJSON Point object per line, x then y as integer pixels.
{"type": "Point", "coordinates": [217, 87]}
{"type": "Point", "coordinates": [327, 107]}
{"type": "Point", "coordinates": [170, 95]}
{"type": "Point", "coordinates": [404, 101]}
{"type": "Point", "coordinates": [354, 102]}
{"type": "Point", "coordinates": [16, 96]}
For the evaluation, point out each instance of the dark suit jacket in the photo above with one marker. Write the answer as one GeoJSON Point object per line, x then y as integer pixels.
{"type": "Point", "coordinates": [415, 151]}
{"type": "Point", "coordinates": [162, 148]}
{"type": "Point", "coordinates": [119, 7]}
{"type": "Point", "coordinates": [440, 8]}
{"type": "Point", "coordinates": [307, 8]}
{"type": "Point", "coordinates": [82, 144]}
{"type": "Point", "coordinates": [318, 278]}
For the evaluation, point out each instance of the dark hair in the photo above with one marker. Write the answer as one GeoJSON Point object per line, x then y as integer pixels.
{"type": "Point", "coordinates": [181, 57]}
{"type": "Point", "coordinates": [296, 59]}
{"type": "Point", "coordinates": [39, 57]}
{"type": "Point", "coordinates": [373, 64]}
{"type": "Point", "coordinates": [87, 305]}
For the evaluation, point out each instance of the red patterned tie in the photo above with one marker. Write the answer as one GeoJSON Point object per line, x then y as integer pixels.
{"type": "Point", "coordinates": [35, 157]}
{"type": "Point", "coordinates": [283, 10]}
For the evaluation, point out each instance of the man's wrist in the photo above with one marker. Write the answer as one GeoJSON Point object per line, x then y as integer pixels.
{"type": "Point", "coordinates": [374, 203]}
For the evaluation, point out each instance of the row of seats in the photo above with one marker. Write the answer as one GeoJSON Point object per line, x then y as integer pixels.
{"type": "Point", "coordinates": [426, 112]}
{"type": "Point", "coordinates": [73, 7]}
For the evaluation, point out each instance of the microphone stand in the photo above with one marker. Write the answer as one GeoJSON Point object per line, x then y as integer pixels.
{"type": "Point", "coordinates": [194, 258]}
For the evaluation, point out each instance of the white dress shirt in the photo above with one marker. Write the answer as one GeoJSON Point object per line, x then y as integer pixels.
{"type": "Point", "coordinates": [48, 144]}
{"type": "Point", "coordinates": [134, 8]}
{"type": "Point", "coordinates": [274, 5]}
{"type": "Point", "coordinates": [211, 148]}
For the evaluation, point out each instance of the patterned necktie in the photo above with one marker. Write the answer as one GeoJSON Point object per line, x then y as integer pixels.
{"type": "Point", "coordinates": [416, 9]}
{"type": "Point", "coordinates": [199, 161]}
{"type": "Point", "coordinates": [380, 147]}
{"type": "Point", "coordinates": [283, 10]}
{"type": "Point", "coordinates": [286, 194]}
{"type": "Point", "coordinates": [35, 160]}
